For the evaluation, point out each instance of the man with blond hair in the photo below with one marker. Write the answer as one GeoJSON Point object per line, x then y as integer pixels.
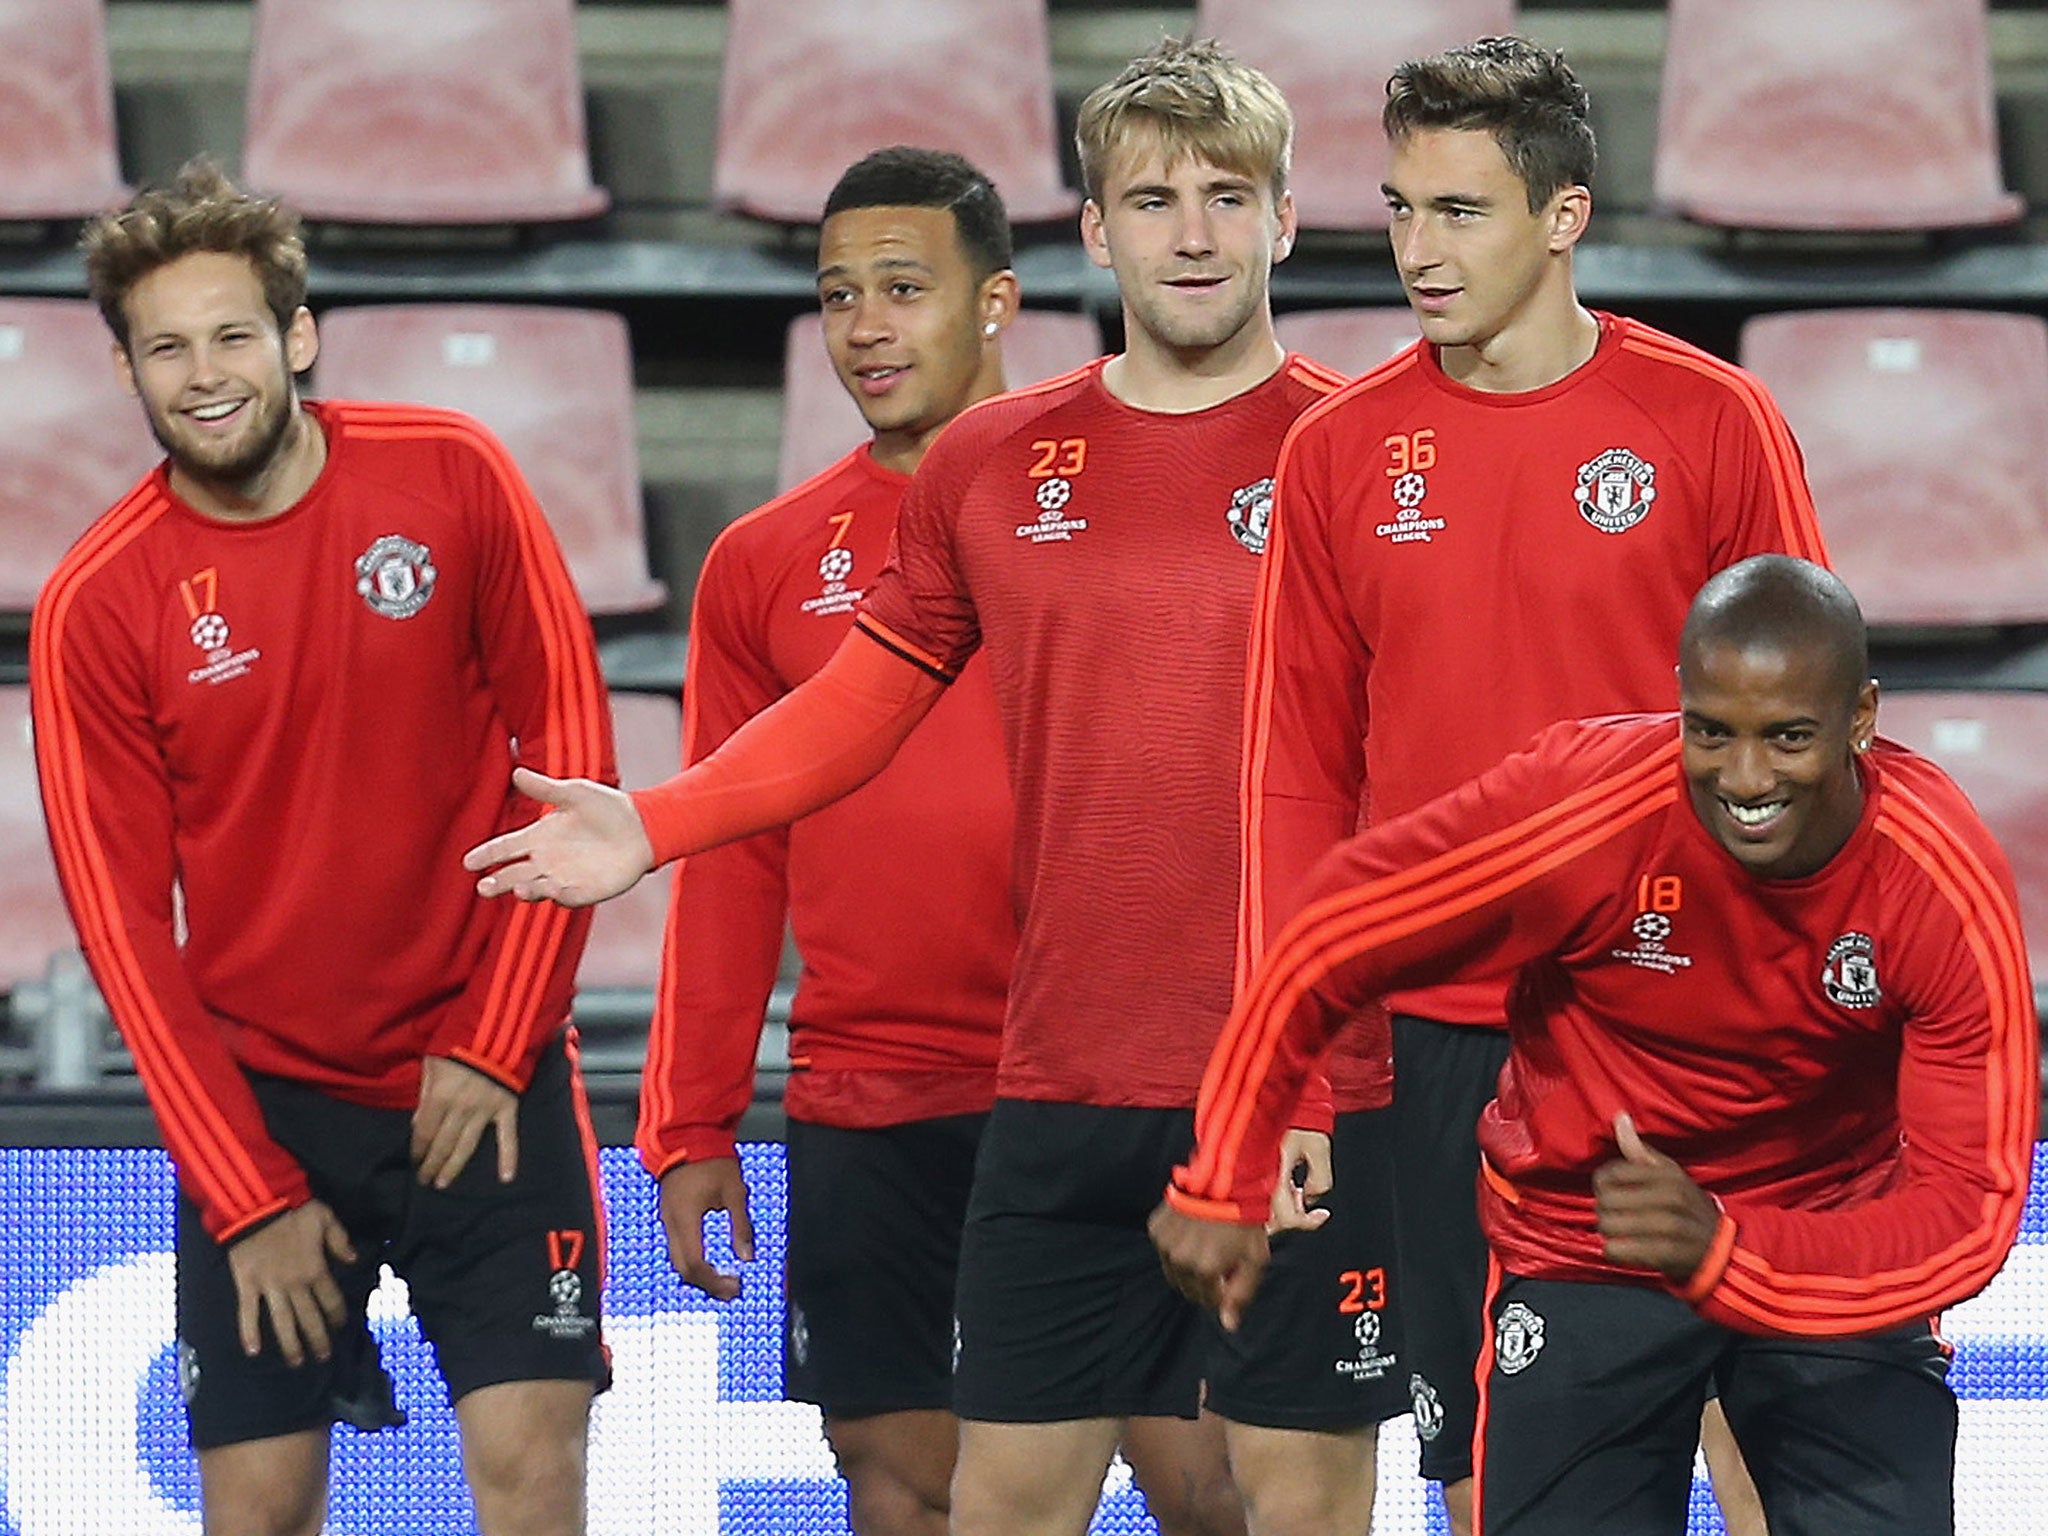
{"type": "Point", "coordinates": [1099, 535]}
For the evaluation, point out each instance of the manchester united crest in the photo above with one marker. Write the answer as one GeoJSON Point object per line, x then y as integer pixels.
{"type": "Point", "coordinates": [1517, 1338]}
{"type": "Point", "coordinates": [1850, 976]}
{"type": "Point", "coordinates": [395, 576]}
{"type": "Point", "coordinates": [1251, 514]}
{"type": "Point", "coordinates": [1615, 490]}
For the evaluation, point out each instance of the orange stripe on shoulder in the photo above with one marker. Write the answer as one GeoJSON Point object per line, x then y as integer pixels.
{"type": "Point", "coordinates": [1798, 524]}
{"type": "Point", "coordinates": [1317, 376]}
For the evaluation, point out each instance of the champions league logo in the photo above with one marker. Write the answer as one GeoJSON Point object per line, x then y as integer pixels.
{"type": "Point", "coordinates": [395, 576]}
{"type": "Point", "coordinates": [565, 1290]}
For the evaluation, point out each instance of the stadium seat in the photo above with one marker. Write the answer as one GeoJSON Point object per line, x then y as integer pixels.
{"type": "Point", "coordinates": [1993, 746]}
{"type": "Point", "coordinates": [1923, 432]}
{"type": "Point", "coordinates": [625, 934]}
{"type": "Point", "coordinates": [58, 156]}
{"type": "Point", "coordinates": [1348, 340]}
{"type": "Point", "coordinates": [1331, 58]}
{"type": "Point", "coordinates": [395, 112]}
{"type": "Point", "coordinates": [807, 89]}
{"type": "Point", "coordinates": [71, 440]}
{"type": "Point", "coordinates": [1808, 115]}
{"type": "Point", "coordinates": [555, 384]}
{"type": "Point", "coordinates": [820, 422]}
{"type": "Point", "coordinates": [37, 924]}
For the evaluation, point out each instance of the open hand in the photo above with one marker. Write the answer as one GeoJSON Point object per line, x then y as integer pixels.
{"type": "Point", "coordinates": [284, 1268]}
{"type": "Point", "coordinates": [457, 1105]}
{"type": "Point", "coordinates": [587, 848]}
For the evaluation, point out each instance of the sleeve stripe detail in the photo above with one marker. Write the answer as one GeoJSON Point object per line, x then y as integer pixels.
{"type": "Point", "coordinates": [658, 1108]}
{"type": "Point", "coordinates": [1823, 1304]}
{"type": "Point", "coordinates": [1798, 526]}
{"type": "Point", "coordinates": [199, 1136]}
{"type": "Point", "coordinates": [895, 644]}
{"type": "Point", "coordinates": [1259, 684]}
{"type": "Point", "coordinates": [575, 722]}
{"type": "Point", "coordinates": [1329, 932]}
{"type": "Point", "coordinates": [1258, 735]}
{"type": "Point", "coordinates": [1317, 376]}
{"type": "Point", "coordinates": [575, 716]}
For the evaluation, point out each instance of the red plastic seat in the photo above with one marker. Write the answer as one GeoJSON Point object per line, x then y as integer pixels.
{"type": "Point", "coordinates": [808, 88]}
{"type": "Point", "coordinates": [72, 441]}
{"type": "Point", "coordinates": [555, 384]}
{"type": "Point", "coordinates": [397, 112]}
{"type": "Point", "coordinates": [821, 424]}
{"type": "Point", "coordinates": [1348, 340]}
{"type": "Point", "coordinates": [1809, 114]}
{"type": "Point", "coordinates": [625, 934]}
{"type": "Point", "coordinates": [1993, 746]}
{"type": "Point", "coordinates": [58, 154]}
{"type": "Point", "coordinates": [37, 923]}
{"type": "Point", "coordinates": [1924, 434]}
{"type": "Point", "coordinates": [1331, 58]}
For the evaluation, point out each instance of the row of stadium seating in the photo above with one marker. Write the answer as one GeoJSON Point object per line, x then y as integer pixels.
{"type": "Point", "coordinates": [471, 111]}
{"type": "Point", "coordinates": [1922, 429]}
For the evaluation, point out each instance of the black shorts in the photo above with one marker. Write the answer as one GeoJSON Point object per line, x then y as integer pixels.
{"type": "Point", "coordinates": [874, 1248]}
{"type": "Point", "coordinates": [1591, 1404]}
{"type": "Point", "coordinates": [1444, 1075]}
{"type": "Point", "coordinates": [1320, 1346]}
{"type": "Point", "coordinates": [1064, 1310]}
{"type": "Point", "coordinates": [504, 1278]}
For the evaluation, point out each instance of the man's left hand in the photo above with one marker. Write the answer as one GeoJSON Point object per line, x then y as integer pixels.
{"type": "Point", "coordinates": [1305, 1178]}
{"type": "Point", "coordinates": [1652, 1214]}
{"type": "Point", "coordinates": [1216, 1264]}
{"type": "Point", "coordinates": [457, 1105]}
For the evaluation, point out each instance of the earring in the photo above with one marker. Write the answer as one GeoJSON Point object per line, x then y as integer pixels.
{"type": "Point", "coordinates": [989, 329]}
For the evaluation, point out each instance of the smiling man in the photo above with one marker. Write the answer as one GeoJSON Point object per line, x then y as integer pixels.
{"type": "Point", "coordinates": [1518, 508]}
{"type": "Point", "coordinates": [1769, 1102]}
{"type": "Point", "coordinates": [1099, 536]}
{"type": "Point", "coordinates": [313, 614]}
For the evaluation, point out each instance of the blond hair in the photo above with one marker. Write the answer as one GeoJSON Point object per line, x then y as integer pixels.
{"type": "Point", "coordinates": [201, 210]}
{"type": "Point", "coordinates": [1200, 102]}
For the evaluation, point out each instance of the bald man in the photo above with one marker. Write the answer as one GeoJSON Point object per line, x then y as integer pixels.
{"type": "Point", "coordinates": [1769, 1100]}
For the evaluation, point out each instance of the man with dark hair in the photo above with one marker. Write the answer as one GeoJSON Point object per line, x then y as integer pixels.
{"type": "Point", "coordinates": [1099, 535]}
{"type": "Point", "coordinates": [314, 613]}
{"type": "Point", "coordinates": [1516, 508]}
{"type": "Point", "coordinates": [899, 896]}
{"type": "Point", "coordinates": [1769, 1101]}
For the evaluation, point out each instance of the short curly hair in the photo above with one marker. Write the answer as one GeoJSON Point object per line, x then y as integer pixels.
{"type": "Point", "coordinates": [201, 210]}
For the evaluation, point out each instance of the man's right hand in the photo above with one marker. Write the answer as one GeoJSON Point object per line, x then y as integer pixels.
{"type": "Point", "coordinates": [588, 848]}
{"type": "Point", "coordinates": [691, 1191]}
{"type": "Point", "coordinates": [286, 1269]}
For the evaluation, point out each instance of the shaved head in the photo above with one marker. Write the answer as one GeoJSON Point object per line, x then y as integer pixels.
{"type": "Point", "coordinates": [1782, 604]}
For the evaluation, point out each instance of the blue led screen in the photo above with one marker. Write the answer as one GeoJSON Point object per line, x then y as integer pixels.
{"type": "Point", "coordinates": [694, 1437]}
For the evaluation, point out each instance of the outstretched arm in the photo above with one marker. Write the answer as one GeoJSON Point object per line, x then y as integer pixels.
{"type": "Point", "coordinates": [822, 741]}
